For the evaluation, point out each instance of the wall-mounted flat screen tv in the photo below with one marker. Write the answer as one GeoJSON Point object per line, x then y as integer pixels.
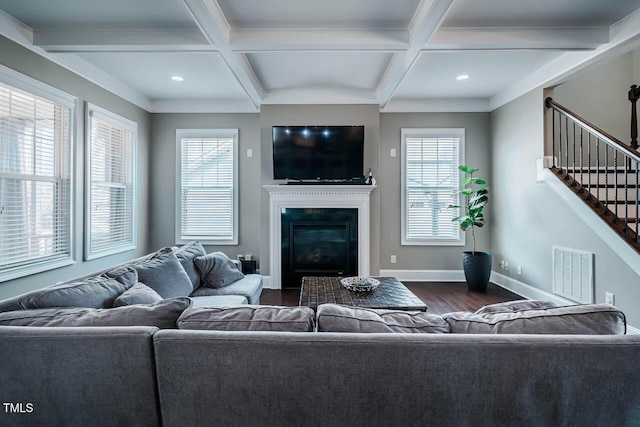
{"type": "Point", "coordinates": [318, 152]}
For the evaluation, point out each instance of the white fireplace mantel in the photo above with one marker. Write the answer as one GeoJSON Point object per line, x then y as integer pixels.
{"type": "Point", "coordinates": [317, 196]}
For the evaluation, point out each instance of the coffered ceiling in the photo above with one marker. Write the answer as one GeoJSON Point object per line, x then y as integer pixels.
{"type": "Point", "coordinates": [404, 55]}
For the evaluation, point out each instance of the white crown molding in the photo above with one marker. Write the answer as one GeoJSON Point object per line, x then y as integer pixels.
{"type": "Point", "coordinates": [23, 35]}
{"type": "Point", "coordinates": [624, 36]}
{"type": "Point", "coordinates": [594, 222]}
{"type": "Point", "coordinates": [300, 39]}
{"type": "Point", "coordinates": [468, 38]}
{"type": "Point", "coordinates": [119, 40]}
{"type": "Point", "coordinates": [203, 106]}
{"type": "Point", "coordinates": [319, 96]}
{"type": "Point", "coordinates": [436, 105]}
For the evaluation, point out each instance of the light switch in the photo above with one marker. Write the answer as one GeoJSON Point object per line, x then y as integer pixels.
{"type": "Point", "coordinates": [249, 152]}
{"type": "Point", "coordinates": [392, 152]}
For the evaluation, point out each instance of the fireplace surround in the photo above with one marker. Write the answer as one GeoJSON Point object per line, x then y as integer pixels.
{"type": "Point", "coordinates": [282, 197]}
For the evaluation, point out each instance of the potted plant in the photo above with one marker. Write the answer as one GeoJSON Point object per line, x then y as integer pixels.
{"type": "Point", "coordinates": [477, 265]}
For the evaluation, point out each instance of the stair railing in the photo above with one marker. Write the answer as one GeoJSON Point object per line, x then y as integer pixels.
{"type": "Point", "coordinates": [604, 171]}
{"type": "Point", "coordinates": [634, 95]}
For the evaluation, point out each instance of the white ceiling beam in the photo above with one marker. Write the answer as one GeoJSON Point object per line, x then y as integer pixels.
{"type": "Point", "coordinates": [452, 38]}
{"type": "Point", "coordinates": [211, 21]}
{"type": "Point", "coordinates": [426, 21]}
{"type": "Point", "coordinates": [436, 105]}
{"type": "Point", "coordinates": [301, 40]}
{"type": "Point", "coordinates": [118, 40]}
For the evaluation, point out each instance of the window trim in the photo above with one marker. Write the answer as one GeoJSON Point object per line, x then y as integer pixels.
{"type": "Point", "coordinates": [94, 110]}
{"type": "Point", "coordinates": [422, 133]}
{"type": "Point", "coordinates": [206, 133]}
{"type": "Point", "coordinates": [35, 87]}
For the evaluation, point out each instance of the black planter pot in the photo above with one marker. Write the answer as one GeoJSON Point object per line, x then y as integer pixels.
{"type": "Point", "coordinates": [477, 269]}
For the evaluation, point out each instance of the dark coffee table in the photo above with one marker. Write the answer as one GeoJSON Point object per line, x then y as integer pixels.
{"type": "Point", "coordinates": [391, 294]}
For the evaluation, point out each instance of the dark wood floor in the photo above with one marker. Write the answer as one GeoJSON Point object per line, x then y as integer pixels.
{"type": "Point", "coordinates": [440, 297]}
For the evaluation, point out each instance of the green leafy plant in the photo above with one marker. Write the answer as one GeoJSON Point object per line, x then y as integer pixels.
{"type": "Point", "coordinates": [476, 196]}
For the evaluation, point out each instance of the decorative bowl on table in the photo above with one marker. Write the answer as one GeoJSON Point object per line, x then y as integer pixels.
{"type": "Point", "coordinates": [360, 284]}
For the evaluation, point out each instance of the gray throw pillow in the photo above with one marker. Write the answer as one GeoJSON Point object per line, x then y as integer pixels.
{"type": "Point", "coordinates": [163, 273]}
{"type": "Point", "coordinates": [126, 274]}
{"type": "Point", "coordinates": [162, 314]}
{"type": "Point", "coordinates": [186, 254]}
{"type": "Point", "coordinates": [517, 305]}
{"type": "Point", "coordinates": [340, 318]}
{"type": "Point", "coordinates": [217, 270]}
{"type": "Point", "coordinates": [587, 319]}
{"type": "Point", "coordinates": [137, 294]}
{"type": "Point", "coordinates": [249, 318]}
{"type": "Point", "coordinates": [91, 292]}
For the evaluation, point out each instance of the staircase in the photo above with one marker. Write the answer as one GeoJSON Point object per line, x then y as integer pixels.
{"type": "Point", "coordinates": [599, 169]}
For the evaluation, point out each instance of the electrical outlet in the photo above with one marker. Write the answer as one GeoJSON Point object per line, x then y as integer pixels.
{"type": "Point", "coordinates": [609, 298]}
{"type": "Point", "coordinates": [504, 265]}
{"type": "Point", "coordinates": [392, 152]}
{"type": "Point", "coordinates": [519, 270]}
{"type": "Point", "coordinates": [393, 259]}
{"type": "Point", "coordinates": [249, 152]}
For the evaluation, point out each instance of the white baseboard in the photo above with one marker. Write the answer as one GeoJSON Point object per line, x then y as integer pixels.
{"type": "Point", "coordinates": [527, 291]}
{"type": "Point", "coordinates": [425, 275]}
{"type": "Point", "coordinates": [632, 331]}
{"type": "Point", "coordinates": [266, 282]}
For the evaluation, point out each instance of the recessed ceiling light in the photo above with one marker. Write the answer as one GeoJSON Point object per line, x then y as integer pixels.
{"type": "Point", "coordinates": [177, 78]}
{"type": "Point", "coordinates": [462, 77]}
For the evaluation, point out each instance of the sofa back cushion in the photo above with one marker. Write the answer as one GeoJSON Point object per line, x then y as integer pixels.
{"type": "Point", "coordinates": [217, 270]}
{"type": "Point", "coordinates": [186, 254]}
{"type": "Point", "coordinates": [340, 318]}
{"type": "Point", "coordinates": [92, 292]}
{"type": "Point", "coordinates": [249, 318]}
{"type": "Point", "coordinates": [517, 305]}
{"type": "Point", "coordinates": [137, 294]}
{"type": "Point", "coordinates": [162, 314]}
{"type": "Point", "coordinates": [588, 319]}
{"type": "Point", "coordinates": [163, 273]}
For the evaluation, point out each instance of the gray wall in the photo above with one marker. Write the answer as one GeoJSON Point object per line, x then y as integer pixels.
{"type": "Point", "coordinates": [300, 115]}
{"type": "Point", "coordinates": [163, 170]}
{"type": "Point", "coordinates": [600, 95]}
{"type": "Point", "coordinates": [529, 218]}
{"type": "Point", "coordinates": [477, 155]}
{"type": "Point", "coordinates": [26, 62]}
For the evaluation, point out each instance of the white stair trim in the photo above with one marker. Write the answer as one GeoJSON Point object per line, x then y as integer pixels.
{"type": "Point", "coordinates": [594, 222]}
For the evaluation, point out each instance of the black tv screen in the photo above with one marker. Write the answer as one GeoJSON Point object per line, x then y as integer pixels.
{"type": "Point", "coordinates": [318, 152]}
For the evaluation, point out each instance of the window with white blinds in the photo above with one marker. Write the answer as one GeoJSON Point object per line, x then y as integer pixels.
{"type": "Point", "coordinates": [110, 201]}
{"type": "Point", "coordinates": [35, 176]}
{"type": "Point", "coordinates": [207, 196]}
{"type": "Point", "coordinates": [430, 183]}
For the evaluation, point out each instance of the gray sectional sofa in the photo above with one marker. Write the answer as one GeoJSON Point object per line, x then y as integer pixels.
{"type": "Point", "coordinates": [167, 273]}
{"type": "Point", "coordinates": [523, 363]}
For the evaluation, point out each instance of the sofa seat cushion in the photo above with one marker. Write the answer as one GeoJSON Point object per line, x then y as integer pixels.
{"type": "Point", "coordinates": [250, 286]}
{"type": "Point", "coordinates": [163, 273]}
{"type": "Point", "coordinates": [341, 318]}
{"type": "Point", "coordinates": [91, 292]}
{"type": "Point", "coordinates": [186, 254]}
{"type": "Point", "coordinates": [517, 305]}
{"type": "Point", "coordinates": [217, 300]}
{"type": "Point", "coordinates": [162, 314]}
{"type": "Point", "coordinates": [217, 270]}
{"type": "Point", "coordinates": [249, 318]}
{"type": "Point", "coordinates": [587, 319]}
{"type": "Point", "coordinates": [137, 294]}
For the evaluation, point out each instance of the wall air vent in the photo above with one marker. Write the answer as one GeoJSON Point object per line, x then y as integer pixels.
{"type": "Point", "coordinates": [573, 274]}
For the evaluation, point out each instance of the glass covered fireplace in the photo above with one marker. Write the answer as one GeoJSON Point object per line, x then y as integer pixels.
{"type": "Point", "coordinates": [318, 242]}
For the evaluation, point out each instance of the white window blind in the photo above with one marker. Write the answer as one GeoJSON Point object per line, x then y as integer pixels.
{"type": "Point", "coordinates": [110, 200]}
{"type": "Point", "coordinates": [207, 199]}
{"type": "Point", "coordinates": [431, 181]}
{"type": "Point", "coordinates": [35, 182]}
